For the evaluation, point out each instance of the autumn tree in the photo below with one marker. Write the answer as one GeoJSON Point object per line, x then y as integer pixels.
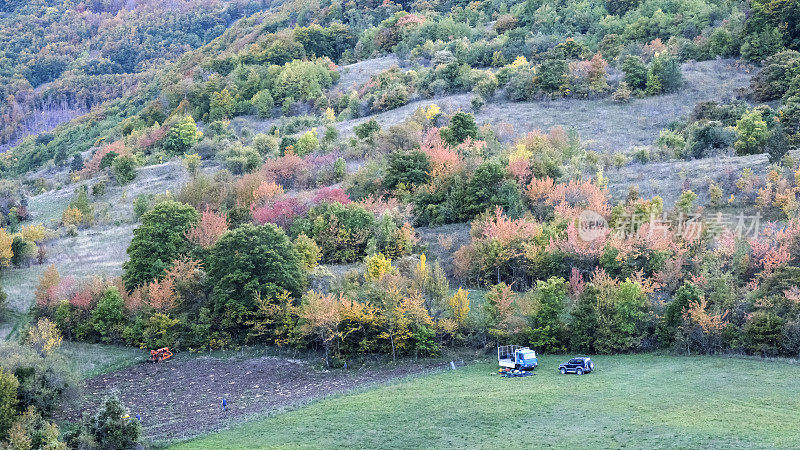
{"type": "Point", "coordinates": [459, 306]}
{"type": "Point", "coordinates": [44, 337]}
{"type": "Point", "coordinates": [208, 230]}
{"type": "Point", "coordinates": [5, 248]}
{"type": "Point", "coordinates": [47, 284]}
{"type": "Point", "coordinates": [159, 240]}
{"type": "Point", "coordinates": [320, 316]}
{"type": "Point", "coordinates": [274, 320]}
{"type": "Point", "coordinates": [499, 309]}
{"type": "Point", "coordinates": [702, 328]}
{"type": "Point", "coordinates": [161, 294]}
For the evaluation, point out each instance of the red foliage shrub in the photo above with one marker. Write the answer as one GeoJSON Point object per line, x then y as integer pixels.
{"type": "Point", "coordinates": [92, 165]}
{"type": "Point", "coordinates": [82, 300]}
{"type": "Point", "coordinates": [504, 230]}
{"type": "Point", "coordinates": [331, 194]}
{"type": "Point", "coordinates": [280, 212]}
{"type": "Point", "coordinates": [247, 185]}
{"type": "Point", "coordinates": [153, 137]}
{"type": "Point", "coordinates": [288, 170]}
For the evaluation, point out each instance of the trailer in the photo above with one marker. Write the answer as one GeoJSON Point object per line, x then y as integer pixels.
{"type": "Point", "coordinates": [515, 357]}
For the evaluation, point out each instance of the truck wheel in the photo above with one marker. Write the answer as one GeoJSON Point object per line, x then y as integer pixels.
{"type": "Point", "coordinates": [563, 371]}
{"type": "Point", "coordinates": [579, 371]}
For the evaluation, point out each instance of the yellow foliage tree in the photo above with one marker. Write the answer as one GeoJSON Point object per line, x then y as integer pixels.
{"type": "Point", "coordinates": [72, 216]}
{"type": "Point", "coordinates": [33, 233]}
{"type": "Point", "coordinates": [5, 248]}
{"type": "Point", "coordinates": [321, 316]}
{"type": "Point", "coordinates": [459, 305]}
{"type": "Point", "coordinates": [520, 62]}
{"type": "Point", "coordinates": [432, 111]}
{"type": "Point", "coordinates": [44, 337]}
{"type": "Point", "coordinates": [377, 266]}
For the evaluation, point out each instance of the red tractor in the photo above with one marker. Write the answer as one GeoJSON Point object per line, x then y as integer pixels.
{"type": "Point", "coordinates": [159, 355]}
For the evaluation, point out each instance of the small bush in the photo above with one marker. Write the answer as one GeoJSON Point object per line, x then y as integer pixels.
{"type": "Point", "coordinates": [124, 168]}
{"type": "Point", "coordinates": [111, 427]}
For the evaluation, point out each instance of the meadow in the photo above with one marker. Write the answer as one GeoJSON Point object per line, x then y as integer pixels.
{"type": "Point", "coordinates": [646, 400]}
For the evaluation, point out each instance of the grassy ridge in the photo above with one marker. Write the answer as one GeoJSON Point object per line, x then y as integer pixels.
{"type": "Point", "coordinates": [636, 400]}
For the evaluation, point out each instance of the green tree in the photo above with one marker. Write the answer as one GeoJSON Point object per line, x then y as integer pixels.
{"type": "Point", "coordinates": [488, 188]}
{"type": "Point", "coordinates": [342, 231]}
{"type": "Point", "coordinates": [248, 263]}
{"type": "Point", "coordinates": [159, 240]}
{"type": "Point", "coordinates": [108, 318]}
{"type": "Point", "coordinates": [408, 169]}
{"type": "Point", "coordinates": [367, 130]}
{"type": "Point", "coordinates": [112, 427]}
{"type": "Point", "coordinates": [107, 159]}
{"type": "Point", "coordinates": [23, 251]}
{"type": "Point", "coordinates": [462, 125]}
{"type": "Point", "coordinates": [790, 119]}
{"type": "Point", "coordinates": [544, 309]}
{"type": "Point", "coordinates": [666, 72]}
{"type": "Point", "coordinates": [777, 146]}
{"type": "Point", "coordinates": [553, 76]}
{"type": "Point", "coordinates": [686, 295]}
{"type": "Point", "coordinates": [635, 73]}
{"type": "Point", "coordinates": [752, 133]}
{"type": "Point", "coordinates": [222, 106]}
{"type": "Point", "coordinates": [77, 163]}
{"type": "Point", "coordinates": [8, 400]}
{"type": "Point", "coordinates": [182, 136]}
{"type": "Point", "coordinates": [124, 168]}
{"type": "Point", "coordinates": [307, 143]}
{"type": "Point", "coordinates": [774, 80]}
{"type": "Point", "coordinates": [762, 333]}
{"type": "Point", "coordinates": [264, 103]}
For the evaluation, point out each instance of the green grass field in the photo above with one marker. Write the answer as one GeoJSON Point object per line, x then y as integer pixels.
{"type": "Point", "coordinates": [90, 360]}
{"type": "Point", "coordinates": [636, 400]}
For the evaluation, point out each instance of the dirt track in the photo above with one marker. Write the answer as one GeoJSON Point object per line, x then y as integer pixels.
{"type": "Point", "coordinates": [182, 398]}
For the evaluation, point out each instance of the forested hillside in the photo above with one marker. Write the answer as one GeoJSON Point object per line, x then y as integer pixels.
{"type": "Point", "coordinates": [58, 59]}
{"type": "Point", "coordinates": [456, 45]}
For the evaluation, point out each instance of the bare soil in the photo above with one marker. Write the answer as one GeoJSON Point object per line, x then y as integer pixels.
{"type": "Point", "coordinates": [182, 398]}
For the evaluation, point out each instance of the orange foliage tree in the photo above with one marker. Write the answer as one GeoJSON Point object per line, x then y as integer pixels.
{"type": "Point", "coordinates": [48, 283]}
{"type": "Point", "coordinates": [211, 226]}
{"type": "Point", "coordinates": [92, 165]}
{"type": "Point", "coordinates": [320, 316]}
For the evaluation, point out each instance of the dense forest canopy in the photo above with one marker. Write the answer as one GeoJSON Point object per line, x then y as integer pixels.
{"type": "Point", "coordinates": [60, 58]}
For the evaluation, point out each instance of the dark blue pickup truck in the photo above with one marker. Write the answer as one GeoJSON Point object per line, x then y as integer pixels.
{"type": "Point", "coordinates": [579, 366]}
